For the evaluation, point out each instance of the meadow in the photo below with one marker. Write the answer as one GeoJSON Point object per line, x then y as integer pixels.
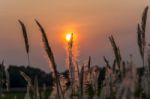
{"type": "Point", "coordinates": [13, 94]}
{"type": "Point", "coordinates": [120, 80]}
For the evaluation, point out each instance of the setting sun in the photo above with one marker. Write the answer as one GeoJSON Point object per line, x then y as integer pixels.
{"type": "Point", "coordinates": [92, 49]}
{"type": "Point", "coordinates": [68, 37]}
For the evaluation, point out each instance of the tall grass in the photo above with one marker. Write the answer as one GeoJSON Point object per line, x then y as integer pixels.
{"type": "Point", "coordinates": [82, 81]}
{"type": "Point", "coordinates": [141, 40]}
{"type": "Point", "coordinates": [71, 67]}
{"type": "Point", "coordinates": [141, 34]}
{"type": "Point", "coordinates": [116, 81]}
{"type": "Point", "coordinates": [30, 85]}
{"type": "Point", "coordinates": [51, 58]}
{"type": "Point", "coordinates": [116, 51]}
{"type": "Point", "coordinates": [89, 63]}
{"type": "Point", "coordinates": [26, 41]}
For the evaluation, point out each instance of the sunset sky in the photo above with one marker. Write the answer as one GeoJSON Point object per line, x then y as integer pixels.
{"type": "Point", "coordinates": [93, 21]}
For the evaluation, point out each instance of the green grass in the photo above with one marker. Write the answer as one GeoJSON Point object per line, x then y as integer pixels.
{"type": "Point", "coordinates": [20, 95]}
{"type": "Point", "coordinates": [12, 95]}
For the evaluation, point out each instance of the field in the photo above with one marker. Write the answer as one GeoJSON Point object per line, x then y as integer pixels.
{"type": "Point", "coordinates": [18, 95]}
{"type": "Point", "coordinates": [117, 80]}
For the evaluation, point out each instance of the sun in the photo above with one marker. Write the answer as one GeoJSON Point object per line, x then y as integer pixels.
{"type": "Point", "coordinates": [68, 37]}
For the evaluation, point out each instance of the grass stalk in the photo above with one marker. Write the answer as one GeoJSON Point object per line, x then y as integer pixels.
{"type": "Point", "coordinates": [141, 35]}
{"type": "Point", "coordinates": [89, 63]}
{"type": "Point", "coordinates": [26, 41]}
{"type": "Point", "coordinates": [116, 51]}
{"type": "Point", "coordinates": [51, 58]}
{"type": "Point", "coordinates": [71, 68]}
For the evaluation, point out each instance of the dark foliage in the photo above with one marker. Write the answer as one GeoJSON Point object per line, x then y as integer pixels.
{"type": "Point", "coordinates": [17, 81]}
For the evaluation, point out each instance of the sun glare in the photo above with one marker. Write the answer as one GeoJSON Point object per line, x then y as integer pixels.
{"type": "Point", "coordinates": [68, 37]}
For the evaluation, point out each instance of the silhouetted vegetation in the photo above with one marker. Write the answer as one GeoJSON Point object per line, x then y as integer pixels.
{"type": "Point", "coordinates": [17, 81]}
{"type": "Point", "coordinates": [120, 80]}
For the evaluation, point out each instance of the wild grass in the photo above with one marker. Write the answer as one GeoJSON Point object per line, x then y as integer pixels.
{"type": "Point", "coordinates": [89, 63]}
{"type": "Point", "coordinates": [26, 41]}
{"type": "Point", "coordinates": [29, 85]}
{"type": "Point", "coordinates": [119, 80]}
{"type": "Point", "coordinates": [141, 34]}
{"type": "Point", "coordinates": [51, 58]}
{"type": "Point", "coordinates": [116, 51]}
{"type": "Point", "coordinates": [71, 67]}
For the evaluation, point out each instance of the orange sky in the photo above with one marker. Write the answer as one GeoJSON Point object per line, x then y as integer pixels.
{"type": "Point", "coordinates": [92, 20]}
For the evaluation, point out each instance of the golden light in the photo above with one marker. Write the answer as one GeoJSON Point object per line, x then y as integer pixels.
{"type": "Point", "coordinates": [68, 37]}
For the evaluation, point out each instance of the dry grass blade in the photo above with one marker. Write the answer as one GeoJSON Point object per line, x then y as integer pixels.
{"type": "Point", "coordinates": [71, 41]}
{"type": "Point", "coordinates": [107, 62]}
{"type": "Point", "coordinates": [79, 78]}
{"type": "Point", "coordinates": [25, 35]}
{"type": "Point", "coordinates": [25, 39]}
{"type": "Point", "coordinates": [51, 57]}
{"type": "Point", "coordinates": [78, 70]}
{"type": "Point", "coordinates": [27, 78]}
{"type": "Point", "coordinates": [123, 69]}
{"type": "Point", "coordinates": [89, 63]}
{"type": "Point", "coordinates": [144, 19]}
{"type": "Point", "coordinates": [140, 41]}
{"type": "Point", "coordinates": [116, 50]}
{"type": "Point", "coordinates": [114, 65]}
{"type": "Point", "coordinates": [29, 81]}
{"type": "Point", "coordinates": [71, 68]}
{"type": "Point", "coordinates": [141, 34]}
{"type": "Point", "coordinates": [47, 46]}
{"type": "Point", "coordinates": [82, 80]}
